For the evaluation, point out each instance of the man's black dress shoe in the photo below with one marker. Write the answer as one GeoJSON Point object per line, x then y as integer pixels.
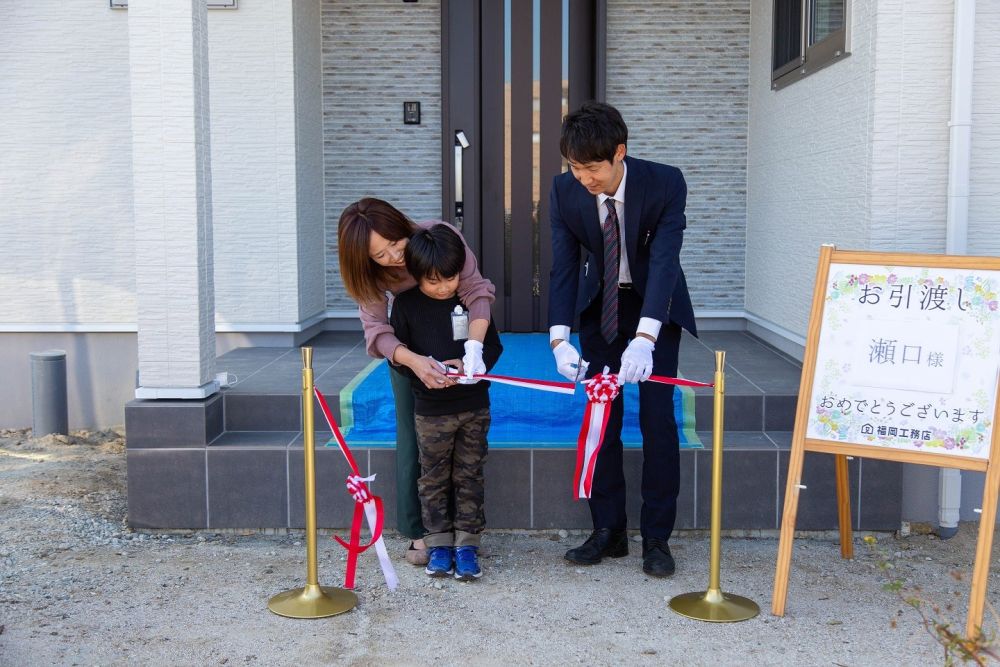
{"type": "Point", "coordinates": [656, 558]}
{"type": "Point", "coordinates": [603, 542]}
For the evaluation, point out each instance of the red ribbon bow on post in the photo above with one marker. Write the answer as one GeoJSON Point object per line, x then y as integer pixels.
{"type": "Point", "coordinates": [359, 491]}
{"type": "Point", "coordinates": [366, 505]}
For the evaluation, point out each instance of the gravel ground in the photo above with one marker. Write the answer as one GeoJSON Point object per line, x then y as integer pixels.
{"type": "Point", "coordinates": [77, 587]}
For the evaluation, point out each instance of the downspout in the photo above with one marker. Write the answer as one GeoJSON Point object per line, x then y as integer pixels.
{"type": "Point", "coordinates": [957, 226]}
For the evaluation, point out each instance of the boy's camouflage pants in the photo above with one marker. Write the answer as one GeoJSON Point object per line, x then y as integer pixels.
{"type": "Point", "coordinates": [452, 455]}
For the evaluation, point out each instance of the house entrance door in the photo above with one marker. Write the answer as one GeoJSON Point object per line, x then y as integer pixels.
{"type": "Point", "coordinates": [511, 70]}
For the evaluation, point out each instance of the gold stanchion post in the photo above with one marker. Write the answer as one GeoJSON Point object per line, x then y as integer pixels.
{"type": "Point", "coordinates": [714, 605]}
{"type": "Point", "coordinates": [312, 601]}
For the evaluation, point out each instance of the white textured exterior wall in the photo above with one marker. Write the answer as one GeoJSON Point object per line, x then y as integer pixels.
{"type": "Point", "coordinates": [677, 71]}
{"type": "Point", "coordinates": [253, 87]}
{"type": "Point", "coordinates": [909, 182]}
{"type": "Point", "coordinates": [376, 55]}
{"type": "Point", "coordinates": [808, 169]}
{"type": "Point", "coordinates": [911, 137]}
{"type": "Point", "coordinates": [66, 174]}
{"type": "Point", "coordinates": [65, 171]}
{"type": "Point", "coordinates": [172, 192]}
{"type": "Point", "coordinates": [309, 157]}
{"type": "Point", "coordinates": [984, 188]}
{"type": "Point", "coordinates": [857, 154]}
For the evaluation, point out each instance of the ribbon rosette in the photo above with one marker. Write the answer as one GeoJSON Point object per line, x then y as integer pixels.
{"type": "Point", "coordinates": [366, 505]}
{"type": "Point", "coordinates": [601, 390]}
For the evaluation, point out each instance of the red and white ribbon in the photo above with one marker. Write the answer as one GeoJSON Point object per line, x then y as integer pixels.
{"type": "Point", "coordinates": [680, 382]}
{"type": "Point", "coordinates": [602, 389]}
{"type": "Point", "coordinates": [357, 486]}
{"type": "Point", "coordinates": [366, 505]}
{"type": "Point", "coordinates": [527, 383]}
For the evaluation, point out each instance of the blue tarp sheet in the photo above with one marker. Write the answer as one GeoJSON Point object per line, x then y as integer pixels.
{"type": "Point", "coordinates": [521, 417]}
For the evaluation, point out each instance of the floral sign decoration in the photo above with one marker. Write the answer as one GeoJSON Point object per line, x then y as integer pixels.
{"type": "Point", "coordinates": [908, 359]}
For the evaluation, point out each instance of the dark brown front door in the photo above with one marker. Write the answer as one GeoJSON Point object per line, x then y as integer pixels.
{"type": "Point", "coordinates": [512, 69]}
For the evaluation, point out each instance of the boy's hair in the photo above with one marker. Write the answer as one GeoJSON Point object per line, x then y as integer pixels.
{"type": "Point", "coordinates": [592, 133]}
{"type": "Point", "coordinates": [435, 252]}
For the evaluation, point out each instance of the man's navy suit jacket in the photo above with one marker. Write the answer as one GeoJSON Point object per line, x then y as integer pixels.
{"type": "Point", "coordinates": [655, 196]}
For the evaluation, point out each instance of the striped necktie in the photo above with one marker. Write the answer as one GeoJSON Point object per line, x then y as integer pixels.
{"type": "Point", "coordinates": [609, 307]}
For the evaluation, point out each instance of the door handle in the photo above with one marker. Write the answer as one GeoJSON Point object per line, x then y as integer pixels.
{"type": "Point", "coordinates": [461, 143]}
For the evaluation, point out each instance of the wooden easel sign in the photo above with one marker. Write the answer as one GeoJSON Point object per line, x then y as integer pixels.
{"type": "Point", "coordinates": [901, 363]}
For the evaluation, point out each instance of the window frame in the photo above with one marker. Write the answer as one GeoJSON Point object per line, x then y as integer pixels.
{"type": "Point", "coordinates": [812, 58]}
{"type": "Point", "coordinates": [212, 4]}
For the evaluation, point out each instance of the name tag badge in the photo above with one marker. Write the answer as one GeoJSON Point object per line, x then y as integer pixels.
{"type": "Point", "coordinates": [459, 324]}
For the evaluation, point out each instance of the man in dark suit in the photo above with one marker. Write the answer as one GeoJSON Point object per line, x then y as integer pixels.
{"type": "Point", "coordinates": [617, 227]}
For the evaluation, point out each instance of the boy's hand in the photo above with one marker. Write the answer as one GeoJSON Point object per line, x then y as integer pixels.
{"type": "Point", "coordinates": [456, 366]}
{"type": "Point", "coordinates": [472, 362]}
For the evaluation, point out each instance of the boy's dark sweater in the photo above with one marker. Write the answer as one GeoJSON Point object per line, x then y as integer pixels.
{"type": "Point", "coordinates": [423, 324]}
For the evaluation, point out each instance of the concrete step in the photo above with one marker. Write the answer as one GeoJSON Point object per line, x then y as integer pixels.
{"type": "Point", "coordinates": [234, 460]}
{"type": "Point", "coordinates": [254, 480]}
{"type": "Point", "coordinates": [281, 412]}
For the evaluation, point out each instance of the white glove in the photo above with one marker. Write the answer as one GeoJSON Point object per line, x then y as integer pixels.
{"type": "Point", "coordinates": [637, 361]}
{"type": "Point", "coordinates": [568, 362]}
{"type": "Point", "coordinates": [473, 359]}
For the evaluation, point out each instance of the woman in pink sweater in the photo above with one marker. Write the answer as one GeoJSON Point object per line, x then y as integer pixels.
{"type": "Point", "coordinates": [372, 236]}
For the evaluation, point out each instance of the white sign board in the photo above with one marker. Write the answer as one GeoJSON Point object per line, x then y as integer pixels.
{"type": "Point", "coordinates": [908, 359]}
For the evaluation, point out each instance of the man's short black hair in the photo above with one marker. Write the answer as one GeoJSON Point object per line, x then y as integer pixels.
{"type": "Point", "coordinates": [592, 133]}
{"type": "Point", "coordinates": [437, 252]}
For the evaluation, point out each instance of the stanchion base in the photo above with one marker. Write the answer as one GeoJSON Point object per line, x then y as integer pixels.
{"type": "Point", "coordinates": [313, 602]}
{"type": "Point", "coordinates": [714, 606]}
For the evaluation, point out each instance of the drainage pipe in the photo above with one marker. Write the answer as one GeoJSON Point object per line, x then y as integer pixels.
{"type": "Point", "coordinates": [957, 226]}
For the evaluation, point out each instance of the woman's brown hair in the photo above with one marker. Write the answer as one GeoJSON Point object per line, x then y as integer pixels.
{"type": "Point", "coordinates": [361, 275]}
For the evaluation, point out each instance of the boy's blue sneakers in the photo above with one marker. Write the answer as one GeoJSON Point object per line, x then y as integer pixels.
{"type": "Point", "coordinates": [467, 564]}
{"type": "Point", "coordinates": [440, 563]}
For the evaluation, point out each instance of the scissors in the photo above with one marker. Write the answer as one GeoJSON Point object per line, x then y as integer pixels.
{"type": "Point", "coordinates": [446, 369]}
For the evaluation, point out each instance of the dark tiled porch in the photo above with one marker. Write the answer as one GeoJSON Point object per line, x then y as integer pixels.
{"type": "Point", "coordinates": [235, 460]}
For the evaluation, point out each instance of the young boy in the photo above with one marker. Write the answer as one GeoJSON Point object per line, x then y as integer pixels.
{"type": "Point", "coordinates": [451, 422]}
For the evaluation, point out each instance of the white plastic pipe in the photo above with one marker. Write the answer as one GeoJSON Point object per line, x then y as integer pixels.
{"type": "Point", "coordinates": [960, 127]}
{"type": "Point", "coordinates": [957, 225]}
